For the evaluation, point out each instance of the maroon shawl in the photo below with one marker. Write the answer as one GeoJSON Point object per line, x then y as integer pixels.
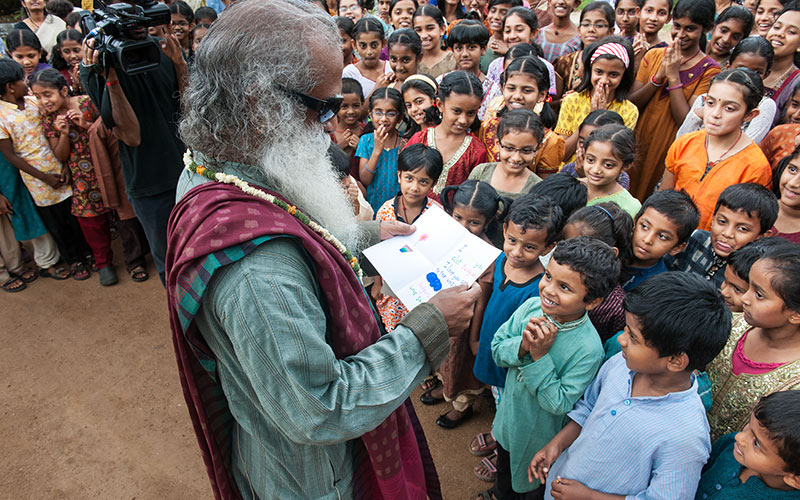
{"type": "Point", "coordinates": [215, 224]}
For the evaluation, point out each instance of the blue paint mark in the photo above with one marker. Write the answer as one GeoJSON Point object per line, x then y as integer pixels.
{"type": "Point", "coordinates": [434, 282]}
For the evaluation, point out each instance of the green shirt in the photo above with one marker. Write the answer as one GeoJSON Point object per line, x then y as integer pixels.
{"type": "Point", "coordinates": [623, 199]}
{"type": "Point", "coordinates": [538, 394]}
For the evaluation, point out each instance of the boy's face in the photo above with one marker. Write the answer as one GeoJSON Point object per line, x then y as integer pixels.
{"type": "Point", "coordinates": [639, 357]}
{"type": "Point", "coordinates": [732, 290]}
{"type": "Point", "coordinates": [523, 246]}
{"type": "Point", "coordinates": [414, 185]}
{"type": "Point", "coordinates": [755, 450]}
{"type": "Point", "coordinates": [733, 229]}
{"type": "Point", "coordinates": [654, 236]}
{"type": "Point", "coordinates": [350, 112]}
{"type": "Point", "coordinates": [562, 293]}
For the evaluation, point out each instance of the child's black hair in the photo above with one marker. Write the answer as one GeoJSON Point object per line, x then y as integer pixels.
{"type": "Point", "coordinates": [531, 211]}
{"type": "Point", "coordinates": [462, 83]}
{"type": "Point", "coordinates": [432, 114]}
{"type": "Point", "coordinates": [408, 38]}
{"type": "Point", "coordinates": [607, 223]}
{"type": "Point", "coordinates": [754, 199]}
{"type": "Point", "coordinates": [480, 196]}
{"type": "Point", "coordinates": [736, 11]}
{"type": "Point", "coordinates": [521, 120]}
{"type": "Point", "coordinates": [622, 139]}
{"type": "Point", "coordinates": [527, 15]}
{"type": "Point", "coordinates": [600, 117]}
{"type": "Point", "coordinates": [678, 207]}
{"type": "Point", "coordinates": [432, 11]}
{"type": "Point", "coordinates": [607, 11]}
{"type": "Point", "coordinates": [754, 45]}
{"type": "Point", "coordinates": [669, 5]}
{"type": "Point", "coordinates": [523, 49]}
{"type": "Point", "coordinates": [56, 59]}
{"type": "Point", "coordinates": [700, 12]}
{"type": "Point", "coordinates": [182, 8]}
{"type": "Point", "coordinates": [368, 25]}
{"type": "Point", "coordinates": [206, 12]}
{"type": "Point", "coordinates": [512, 3]}
{"type": "Point", "coordinates": [750, 82]}
{"type": "Point", "coordinates": [743, 259]}
{"type": "Point", "coordinates": [49, 77]}
{"type": "Point", "coordinates": [594, 260]}
{"type": "Point", "coordinates": [59, 8]}
{"type": "Point", "coordinates": [395, 2]}
{"type": "Point", "coordinates": [340, 160]}
{"type": "Point", "coordinates": [73, 19]}
{"type": "Point", "coordinates": [534, 67]}
{"type": "Point", "coordinates": [345, 25]}
{"type": "Point", "coordinates": [628, 77]}
{"type": "Point", "coordinates": [17, 38]}
{"type": "Point", "coordinates": [566, 191]}
{"type": "Point", "coordinates": [779, 169]}
{"type": "Point", "coordinates": [417, 156]}
{"type": "Point", "coordinates": [467, 32]}
{"type": "Point", "coordinates": [779, 413]}
{"type": "Point", "coordinates": [681, 312]}
{"type": "Point", "coordinates": [352, 86]}
{"type": "Point", "coordinates": [10, 72]}
{"type": "Point", "coordinates": [786, 281]}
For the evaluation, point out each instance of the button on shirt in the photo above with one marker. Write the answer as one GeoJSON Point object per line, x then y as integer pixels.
{"type": "Point", "coordinates": [641, 447]}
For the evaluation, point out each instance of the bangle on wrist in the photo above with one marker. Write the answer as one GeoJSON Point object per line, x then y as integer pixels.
{"type": "Point", "coordinates": [112, 83]}
{"type": "Point", "coordinates": [655, 83]}
{"type": "Point", "coordinates": [368, 170]}
{"type": "Point", "coordinates": [675, 87]}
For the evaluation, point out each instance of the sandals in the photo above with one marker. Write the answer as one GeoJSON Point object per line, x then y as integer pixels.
{"type": "Point", "coordinates": [28, 275]}
{"type": "Point", "coordinates": [486, 469]}
{"type": "Point", "coordinates": [139, 274]}
{"type": "Point", "coordinates": [429, 383]}
{"type": "Point", "coordinates": [79, 271]}
{"type": "Point", "coordinates": [485, 495]}
{"type": "Point", "coordinates": [57, 272]}
{"type": "Point", "coordinates": [480, 446]}
{"type": "Point", "coordinates": [14, 284]}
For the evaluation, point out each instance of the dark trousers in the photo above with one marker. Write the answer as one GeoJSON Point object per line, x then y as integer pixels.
{"type": "Point", "coordinates": [502, 489]}
{"type": "Point", "coordinates": [66, 231]}
{"type": "Point", "coordinates": [134, 243]}
{"type": "Point", "coordinates": [97, 231]}
{"type": "Point", "coordinates": [153, 212]}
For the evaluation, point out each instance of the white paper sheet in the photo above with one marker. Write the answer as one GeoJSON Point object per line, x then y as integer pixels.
{"type": "Point", "coordinates": [440, 254]}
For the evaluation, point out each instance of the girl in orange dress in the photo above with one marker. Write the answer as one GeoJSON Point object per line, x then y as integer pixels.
{"type": "Point", "coordinates": [705, 162]}
{"type": "Point", "coordinates": [668, 80]}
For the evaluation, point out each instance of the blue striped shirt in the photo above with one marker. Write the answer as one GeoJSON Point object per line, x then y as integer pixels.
{"type": "Point", "coordinates": [646, 448]}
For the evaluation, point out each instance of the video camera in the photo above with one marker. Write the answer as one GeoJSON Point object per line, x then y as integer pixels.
{"type": "Point", "coordinates": [110, 25]}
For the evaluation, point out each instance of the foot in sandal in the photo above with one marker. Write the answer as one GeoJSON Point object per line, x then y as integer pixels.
{"type": "Point", "coordinates": [486, 470]}
{"type": "Point", "coordinates": [483, 444]}
{"type": "Point", "coordinates": [13, 285]}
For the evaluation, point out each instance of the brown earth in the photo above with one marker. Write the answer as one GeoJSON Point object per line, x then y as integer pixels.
{"type": "Point", "coordinates": [91, 406]}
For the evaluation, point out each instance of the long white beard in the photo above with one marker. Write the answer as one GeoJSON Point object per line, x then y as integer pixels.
{"type": "Point", "coordinates": [298, 168]}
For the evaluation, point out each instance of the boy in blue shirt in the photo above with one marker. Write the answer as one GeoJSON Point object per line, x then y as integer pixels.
{"type": "Point", "coordinates": [640, 430]}
{"type": "Point", "coordinates": [661, 228]}
{"type": "Point", "coordinates": [763, 461]}
{"type": "Point", "coordinates": [744, 213]}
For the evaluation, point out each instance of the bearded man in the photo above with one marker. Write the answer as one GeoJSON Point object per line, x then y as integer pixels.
{"type": "Point", "coordinates": [292, 390]}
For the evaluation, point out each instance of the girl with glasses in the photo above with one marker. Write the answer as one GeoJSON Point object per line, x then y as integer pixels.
{"type": "Point", "coordinates": [182, 24]}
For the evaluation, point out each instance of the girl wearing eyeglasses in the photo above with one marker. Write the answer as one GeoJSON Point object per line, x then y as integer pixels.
{"type": "Point", "coordinates": [182, 19]}
{"type": "Point", "coordinates": [377, 151]}
{"type": "Point", "coordinates": [596, 22]}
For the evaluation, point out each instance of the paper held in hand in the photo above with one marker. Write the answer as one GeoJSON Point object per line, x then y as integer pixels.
{"type": "Point", "coordinates": [440, 254]}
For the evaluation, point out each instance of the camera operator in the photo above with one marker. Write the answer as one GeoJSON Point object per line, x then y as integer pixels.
{"type": "Point", "coordinates": [144, 112]}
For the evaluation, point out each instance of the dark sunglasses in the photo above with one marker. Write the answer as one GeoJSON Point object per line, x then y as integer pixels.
{"type": "Point", "coordinates": [325, 108]}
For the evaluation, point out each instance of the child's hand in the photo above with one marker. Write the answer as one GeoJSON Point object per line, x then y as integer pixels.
{"type": "Point", "coordinates": [5, 205]}
{"type": "Point", "coordinates": [77, 118]}
{"type": "Point", "coordinates": [352, 193]}
{"type": "Point", "coordinates": [600, 97]}
{"type": "Point", "coordinates": [672, 63]}
{"type": "Point", "coordinates": [569, 489]}
{"type": "Point", "coordinates": [381, 137]}
{"type": "Point", "coordinates": [52, 180]}
{"type": "Point", "coordinates": [385, 80]}
{"type": "Point", "coordinates": [65, 175]}
{"type": "Point", "coordinates": [75, 72]}
{"type": "Point", "coordinates": [377, 284]}
{"type": "Point", "coordinates": [639, 45]}
{"type": "Point", "coordinates": [579, 161]}
{"type": "Point", "coordinates": [542, 333]}
{"type": "Point", "coordinates": [62, 124]}
{"type": "Point", "coordinates": [349, 138]}
{"type": "Point", "coordinates": [544, 458]}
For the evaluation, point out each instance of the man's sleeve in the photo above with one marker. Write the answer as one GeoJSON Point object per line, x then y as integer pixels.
{"type": "Point", "coordinates": [269, 308]}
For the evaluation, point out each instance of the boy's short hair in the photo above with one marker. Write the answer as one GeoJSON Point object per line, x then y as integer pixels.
{"type": "Point", "coordinates": [779, 413]}
{"type": "Point", "coordinates": [205, 12]}
{"type": "Point", "coordinates": [352, 86]}
{"type": "Point", "coordinates": [568, 192]}
{"type": "Point", "coordinates": [10, 72]}
{"type": "Point", "coordinates": [595, 261]}
{"type": "Point", "coordinates": [681, 312]}
{"type": "Point", "coordinates": [743, 259]}
{"type": "Point", "coordinates": [416, 156]}
{"type": "Point", "coordinates": [531, 211]}
{"type": "Point", "coordinates": [754, 199]}
{"type": "Point", "coordinates": [678, 207]}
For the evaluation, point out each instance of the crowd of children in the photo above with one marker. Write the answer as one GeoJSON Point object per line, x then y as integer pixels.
{"type": "Point", "coordinates": [639, 334]}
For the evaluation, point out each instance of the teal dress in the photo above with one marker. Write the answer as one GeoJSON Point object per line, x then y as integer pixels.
{"type": "Point", "coordinates": [384, 185]}
{"type": "Point", "coordinates": [24, 218]}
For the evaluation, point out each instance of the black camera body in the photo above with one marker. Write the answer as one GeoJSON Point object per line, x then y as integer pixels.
{"type": "Point", "coordinates": [108, 26]}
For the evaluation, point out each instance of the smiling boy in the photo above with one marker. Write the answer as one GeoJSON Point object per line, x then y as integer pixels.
{"type": "Point", "coordinates": [744, 213]}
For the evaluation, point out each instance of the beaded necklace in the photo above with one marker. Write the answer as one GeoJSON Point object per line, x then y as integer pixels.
{"type": "Point", "coordinates": [206, 172]}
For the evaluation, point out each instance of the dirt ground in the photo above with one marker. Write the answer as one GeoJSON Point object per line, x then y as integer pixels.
{"type": "Point", "coordinates": [92, 407]}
